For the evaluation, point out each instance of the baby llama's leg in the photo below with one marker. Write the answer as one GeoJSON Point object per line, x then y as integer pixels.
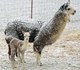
{"type": "Point", "coordinates": [23, 61]}
{"type": "Point", "coordinates": [23, 56]}
{"type": "Point", "coordinates": [19, 56]}
{"type": "Point", "coordinates": [13, 62]}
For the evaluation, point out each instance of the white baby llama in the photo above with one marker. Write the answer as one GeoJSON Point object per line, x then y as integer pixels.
{"type": "Point", "coordinates": [20, 46]}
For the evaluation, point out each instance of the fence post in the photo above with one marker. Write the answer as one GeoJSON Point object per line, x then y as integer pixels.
{"type": "Point", "coordinates": [31, 9]}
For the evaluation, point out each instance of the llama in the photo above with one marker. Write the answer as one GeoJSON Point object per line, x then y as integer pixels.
{"type": "Point", "coordinates": [51, 31]}
{"type": "Point", "coordinates": [19, 46]}
{"type": "Point", "coordinates": [15, 28]}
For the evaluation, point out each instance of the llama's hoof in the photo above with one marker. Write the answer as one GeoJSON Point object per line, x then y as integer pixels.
{"type": "Point", "coordinates": [24, 61]}
{"type": "Point", "coordinates": [40, 64]}
{"type": "Point", "coordinates": [21, 61]}
{"type": "Point", "coordinates": [14, 67]}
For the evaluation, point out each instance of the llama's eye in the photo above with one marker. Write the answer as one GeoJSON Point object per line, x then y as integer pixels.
{"type": "Point", "coordinates": [68, 9]}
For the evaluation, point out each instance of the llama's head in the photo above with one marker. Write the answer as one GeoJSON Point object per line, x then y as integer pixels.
{"type": "Point", "coordinates": [66, 8]}
{"type": "Point", "coordinates": [26, 35]}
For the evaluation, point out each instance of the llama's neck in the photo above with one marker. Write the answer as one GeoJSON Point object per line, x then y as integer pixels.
{"type": "Point", "coordinates": [25, 43]}
{"type": "Point", "coordinates": [60, 21]}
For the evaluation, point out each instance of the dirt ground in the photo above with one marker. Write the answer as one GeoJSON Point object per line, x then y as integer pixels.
{"type": "Point", "coordinates": [63, 55]}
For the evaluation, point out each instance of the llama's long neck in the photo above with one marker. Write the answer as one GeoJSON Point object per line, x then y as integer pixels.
{"type": "Point", "coordinates": [25, 43]}
{"type": "Point", "coordinates": [60, 21]}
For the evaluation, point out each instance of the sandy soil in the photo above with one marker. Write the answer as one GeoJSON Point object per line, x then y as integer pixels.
{"type": "Point", "coordinates": [63, 55]}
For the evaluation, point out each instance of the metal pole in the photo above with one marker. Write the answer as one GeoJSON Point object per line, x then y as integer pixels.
{"type": "Point", "coordinates": [31, 9]}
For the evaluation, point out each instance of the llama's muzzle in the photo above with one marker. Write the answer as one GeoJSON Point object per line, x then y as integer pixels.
{"type": "Point", "coordinates": [74, 12]}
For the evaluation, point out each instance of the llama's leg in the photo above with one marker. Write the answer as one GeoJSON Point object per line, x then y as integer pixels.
{"type": "Point", "coordinates": [23, 57]}
{"type": "Point", "coordinates": [23, 61]}
{"type": "Point", "coordinates": [38, 59]}
{"type": "Point", "coordinates": [9, 51]}
{"type": "Point", "coordinates": [18, 54]}
{"type": "Point", "coordinates": [20, 57]}
{"type": "Point", "coordinates": [13, 62]}
{"type": "Point", "coordinates": [38, 50]}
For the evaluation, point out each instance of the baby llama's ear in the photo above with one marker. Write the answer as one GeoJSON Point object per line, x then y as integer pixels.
{"type": "Point", "coordinates": [23, 32]}
{"type": "Point", "coordinates": [28, 33]}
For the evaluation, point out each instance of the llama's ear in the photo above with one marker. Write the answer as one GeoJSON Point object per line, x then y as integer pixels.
{"type": "Point", "coordinates": [29, 31]}
{"type": "Point", "coordinates": [68, 1]}
{"type": "Point", "coordinates": [23, 32]}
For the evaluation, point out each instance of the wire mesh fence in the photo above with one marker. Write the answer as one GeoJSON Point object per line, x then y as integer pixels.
{"type": "Point", "coordinates": [42, 10]}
